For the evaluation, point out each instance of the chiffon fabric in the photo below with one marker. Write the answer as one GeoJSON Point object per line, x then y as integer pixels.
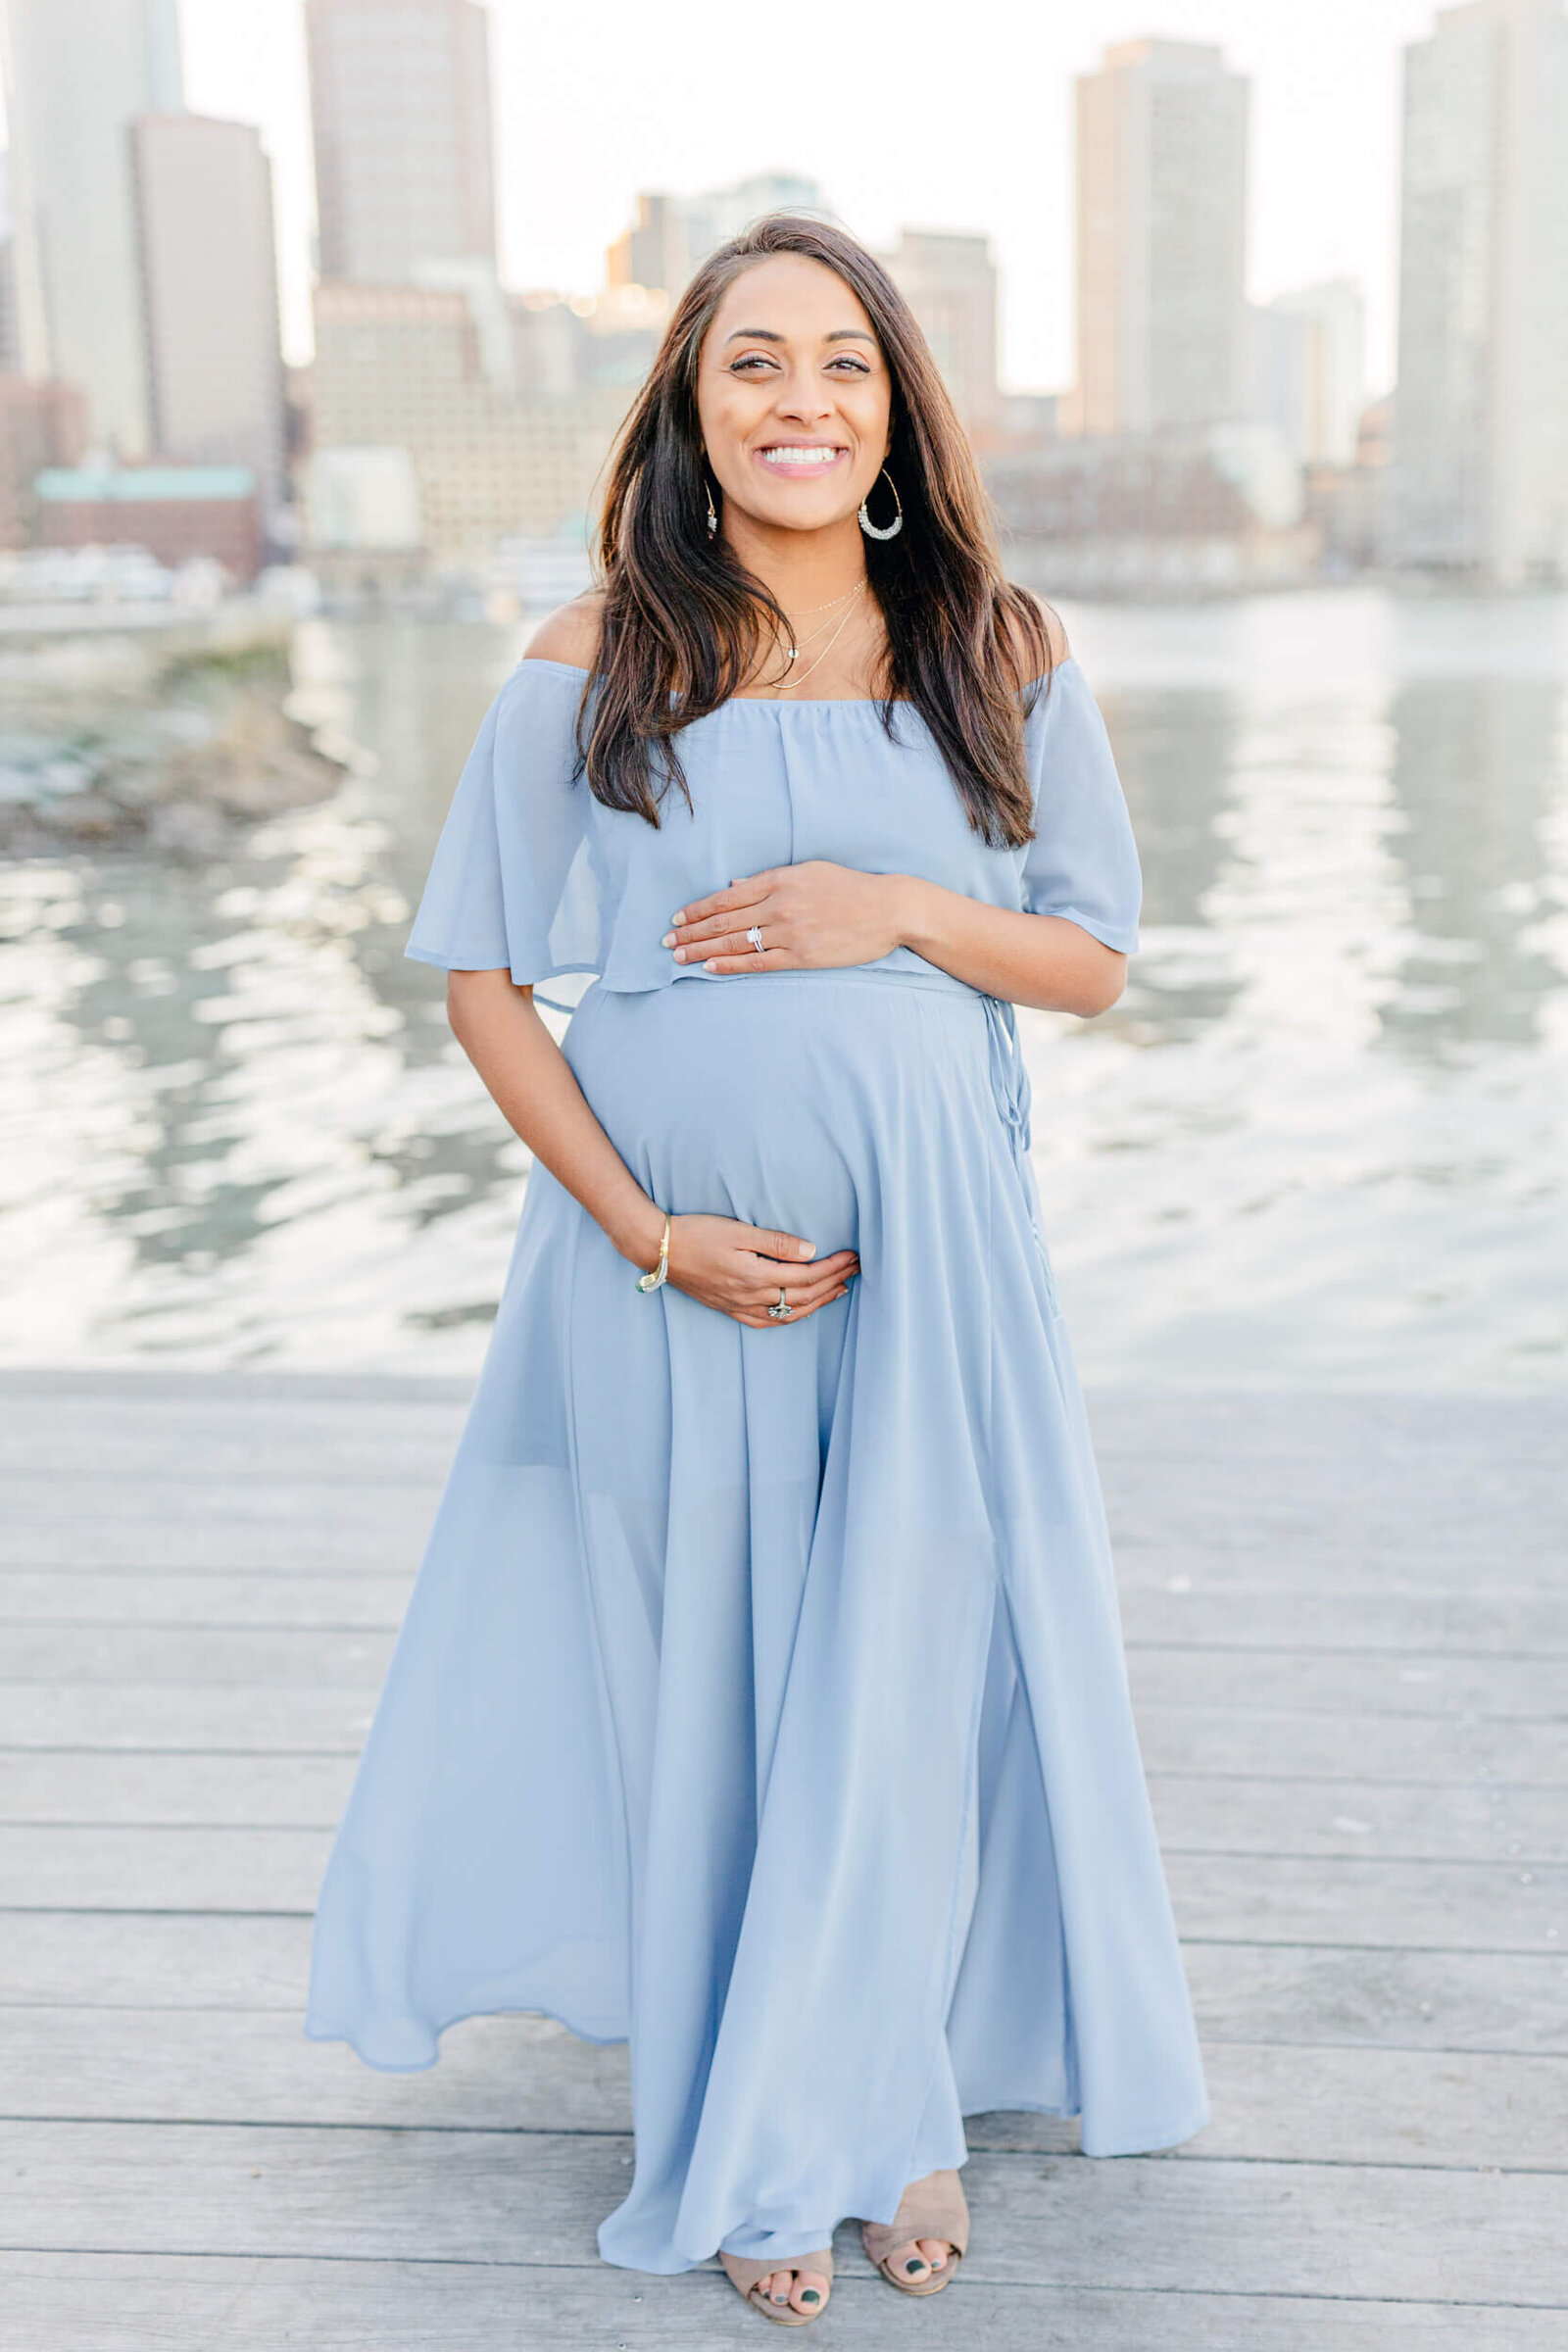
{"type": "Point", "coordinates": [761, 1696]}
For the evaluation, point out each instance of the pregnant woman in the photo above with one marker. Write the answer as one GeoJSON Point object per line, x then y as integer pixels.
{"type": "Point", "coordinates": [762, 1697]}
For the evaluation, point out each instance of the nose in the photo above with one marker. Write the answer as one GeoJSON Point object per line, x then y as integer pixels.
{"type": "Point", "coordinates": [802, 398]}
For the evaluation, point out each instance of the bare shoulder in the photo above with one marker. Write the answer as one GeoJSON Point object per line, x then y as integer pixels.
{"type": "Point", "coordinates": [1032, 618]}
{"type": "Point", "coordinates": [570, 634]}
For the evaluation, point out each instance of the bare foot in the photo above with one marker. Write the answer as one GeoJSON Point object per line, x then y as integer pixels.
{"type": "Point", "coordinates": [921, 2258]}
{"type": "Point", "coordinates": [804, 2291]}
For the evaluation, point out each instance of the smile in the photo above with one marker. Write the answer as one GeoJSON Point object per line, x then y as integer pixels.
{"type": "Point", "coordinates": [801, 458]}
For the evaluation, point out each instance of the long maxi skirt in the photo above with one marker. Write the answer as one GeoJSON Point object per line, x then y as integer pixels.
{"type": "Point", "coordinates": [761, 1696]}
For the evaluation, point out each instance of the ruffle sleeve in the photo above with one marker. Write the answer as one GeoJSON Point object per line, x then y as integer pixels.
{"type": "Point", "coordinates": [1083, 862]}
{"type": "Point", "coordinates": [512, 883]}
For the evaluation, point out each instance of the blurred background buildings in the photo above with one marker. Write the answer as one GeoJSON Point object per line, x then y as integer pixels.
{"type": "Point", "coordinates": [452, 428]}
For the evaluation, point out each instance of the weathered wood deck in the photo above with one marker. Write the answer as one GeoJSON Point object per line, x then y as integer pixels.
{"type": "Point", "coordinates": [1347, 1620]}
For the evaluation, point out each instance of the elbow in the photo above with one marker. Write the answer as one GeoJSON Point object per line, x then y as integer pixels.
{"type": "Point", "coordinates": [1100, 987]}
{"type": "Point", "coordinates": [472, 995]}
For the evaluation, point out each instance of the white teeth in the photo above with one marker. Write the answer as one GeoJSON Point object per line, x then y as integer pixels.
{"type": "Point", "coordinates": [822, 455]}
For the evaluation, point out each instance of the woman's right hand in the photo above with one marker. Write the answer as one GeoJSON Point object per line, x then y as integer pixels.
{"type": "Point", "coordinates": [740, 1269]}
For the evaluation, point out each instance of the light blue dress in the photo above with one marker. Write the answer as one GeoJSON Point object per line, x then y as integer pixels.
{"type": "Point", "coordinates": [761, 1696]}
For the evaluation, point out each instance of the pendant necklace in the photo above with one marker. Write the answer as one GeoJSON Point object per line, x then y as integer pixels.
{"type": "Point", "coordinates": [789, 684]}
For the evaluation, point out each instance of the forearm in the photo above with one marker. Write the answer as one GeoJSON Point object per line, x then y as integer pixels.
{"type": "Point", "coordinates": [532, 1085]}
{"type": "Point", "coordinates": [1039, 960]}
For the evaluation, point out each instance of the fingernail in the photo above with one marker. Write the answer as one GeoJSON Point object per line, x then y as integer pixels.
{"type": "Point", "coordinates": [680, 955]}
{"type": "Point", "coordinates": [807, 1248]}
{"type": "Point", "coordinates": [708, 968]}
{"type": "Point", "coordinates": [669, 940]}
{"type": "Point", "coordinates": [678, 918]}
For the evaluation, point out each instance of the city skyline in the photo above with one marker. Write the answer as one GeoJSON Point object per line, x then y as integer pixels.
{"type": "Point", "coordinates": [570, 166]}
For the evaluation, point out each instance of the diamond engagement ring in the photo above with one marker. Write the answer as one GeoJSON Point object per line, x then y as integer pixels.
{"type": "Point", "coordinates": [754, 939]}
{"type": "Point", "coordinates": [782, 1312]}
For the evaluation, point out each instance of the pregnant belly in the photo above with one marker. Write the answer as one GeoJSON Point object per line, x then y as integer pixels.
{"type": "Point", "coordinates": [807, 1102]}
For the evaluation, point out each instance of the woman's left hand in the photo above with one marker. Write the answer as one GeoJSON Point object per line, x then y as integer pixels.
{"type": "Point", "coordinates": [811, 916]}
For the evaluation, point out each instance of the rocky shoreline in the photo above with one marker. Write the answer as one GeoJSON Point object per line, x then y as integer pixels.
{"type": "Point", "coordinates": [175, 740]}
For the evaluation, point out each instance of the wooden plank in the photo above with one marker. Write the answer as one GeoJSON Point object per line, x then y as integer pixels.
{"type": "Point", "coordinates": [1227, 1615]}
{"type": "Point", "coordinates": [1299, 2104]}
{"type": "Point", "coordinates": [1208, 1813]}
{"type": "Point", "coordinates": [1196, 1813]}
{"type": "Point", "coordinates": [1453, 1906]}
{"type": "Point", "coordinates": [176, 2303]}
{"type": "Point", "coordinates": [1268, 1681]}
{"type": "Point", "coordinates": [460, 2196]}
{"type": "Point", "coordinates": [171, 1960]}
{"type": "Point", "coordinates": [244, 1792]}
{"type": "Point", "coordinates": [1359, 1997]}
{"type": "Point", "coordinates": [58, 1867]}
{"type": "Point", "coordinates": [1364, 1999]}
{"type": "Point", "coordinates": [200, 1598]}
{"type": "Point", "coordinates": [1524, 1689]}
{"type": "Point", "coordinates": [254, 1660]}
{"type": "Point", "coordinates": [275, 1497]}
{"type": "Point", "coordinates": [307, 1540]}
{"type": "Point", "coordinates": [1247, 1897]}
{"type": "Point", "coordinates": [150, 1716]}
{"type": "Point", "coordinates": [1418, 1748]}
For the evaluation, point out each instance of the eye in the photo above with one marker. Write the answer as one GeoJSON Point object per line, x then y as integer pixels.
{"type": "Point", "coordinates": [750, 362]}
{"type": "Point", "coordinates": [846, 360]}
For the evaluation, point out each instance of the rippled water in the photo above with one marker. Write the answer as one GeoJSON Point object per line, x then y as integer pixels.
{"type": "Point", "coordinates": [1323, 1135]}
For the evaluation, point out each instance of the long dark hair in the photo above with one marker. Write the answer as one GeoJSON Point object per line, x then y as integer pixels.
{"type": "Point", "coordinates": [683, 620]}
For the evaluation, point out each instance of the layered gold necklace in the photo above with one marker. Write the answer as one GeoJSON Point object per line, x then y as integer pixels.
{"type": "Point", "coordinates": [843, 604]}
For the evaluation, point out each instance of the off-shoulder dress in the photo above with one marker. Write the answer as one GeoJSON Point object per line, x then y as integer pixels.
{"type": "Point", "coordinates": [761, 1696]}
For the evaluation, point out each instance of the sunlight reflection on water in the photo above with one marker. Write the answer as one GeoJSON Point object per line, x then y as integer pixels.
{"type": "Point", "coordinates": [1321, 1138]}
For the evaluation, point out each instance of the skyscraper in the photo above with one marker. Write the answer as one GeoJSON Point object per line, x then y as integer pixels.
{"type": "Point", "coordinates": [950, 282]}
{"type": "Point", "coordinates": [76, 72]}
{"type": "Point", "coordinates": [1478, 479]}
{"type": "Point", "coordinates": [400, 101]}
{"type": "Point", "coordinates": [204, 208]}
{"type": "Point", "coordinates": [1161, 240]}
{"type": "Point", "coordinates": [1307, 370]}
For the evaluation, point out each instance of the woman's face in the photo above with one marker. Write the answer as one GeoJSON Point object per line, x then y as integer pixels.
{"type": "Point", "coordinates": [794, 396]}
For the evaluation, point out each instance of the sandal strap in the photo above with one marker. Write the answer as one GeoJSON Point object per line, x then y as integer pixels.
{"type": "Point", "coordinates": [935, 2207]}
{"type": "Point", "coordinates": [744, 2272]}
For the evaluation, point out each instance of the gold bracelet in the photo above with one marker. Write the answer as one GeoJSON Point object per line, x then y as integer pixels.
{"type": "Point", "coordinates": [656, 1279]}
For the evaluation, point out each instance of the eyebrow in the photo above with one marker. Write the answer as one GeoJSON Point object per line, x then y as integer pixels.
{"type": "Point", "coordinates": [769, 335]}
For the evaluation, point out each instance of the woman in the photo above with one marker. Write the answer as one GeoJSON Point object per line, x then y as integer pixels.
{"type": "Point", "coordinates": [761, 1696]}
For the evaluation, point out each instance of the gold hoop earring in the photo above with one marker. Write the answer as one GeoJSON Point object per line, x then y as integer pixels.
{"type": "Point", "coordinates": [897, 524]}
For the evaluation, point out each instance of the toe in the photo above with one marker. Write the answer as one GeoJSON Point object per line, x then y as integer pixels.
{"type": "Point", "coordinates": [909, 2262]}
{"type": "Point", "coordinates": [935, 2249]}
{"type": "Point", "coordinates": [777, 2286]}
{"type": "Point", "coordinates": [809, 2292]}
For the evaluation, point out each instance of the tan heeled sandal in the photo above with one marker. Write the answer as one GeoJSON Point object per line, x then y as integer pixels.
{"type": "Point", "coordinates": [745, 2276]}
{"type": "Point", "coordinates": [934, 2207]}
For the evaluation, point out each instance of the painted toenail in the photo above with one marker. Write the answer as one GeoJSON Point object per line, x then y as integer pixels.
{"type": "Point", "coordinates": [912, 2267]}
{"type": "Point", "coordinates": [810, 2295]}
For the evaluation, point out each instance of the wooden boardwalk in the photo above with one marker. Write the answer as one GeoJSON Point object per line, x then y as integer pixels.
{"type": "Point", "coordinates": [1347, 1620]}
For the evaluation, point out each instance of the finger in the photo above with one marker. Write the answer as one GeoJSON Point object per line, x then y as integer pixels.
{"type": "Point", "coordinates": [723, 943]}
{"type": "Point", "coordinates": [740, 893]}
{"type": "Point", "coordinates": [801, 1314]}
{"type": "Point", "coordinates": [771, 959]}
{"type": "Point", "coordinates": [770, 1241]}
{"type": "Point", "coordinates": [735, 920]}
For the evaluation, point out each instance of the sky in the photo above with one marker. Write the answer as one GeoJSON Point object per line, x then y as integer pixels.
{"type": "Point", "coordinates": [918, 114]}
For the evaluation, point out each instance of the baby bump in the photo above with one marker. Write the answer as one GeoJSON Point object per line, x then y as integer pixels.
{"type": "Point", "coordinates": [799, 1099]}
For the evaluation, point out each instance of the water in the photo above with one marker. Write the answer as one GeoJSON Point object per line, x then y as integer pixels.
{"type": "Point", "coordinates": [1321, 1138]}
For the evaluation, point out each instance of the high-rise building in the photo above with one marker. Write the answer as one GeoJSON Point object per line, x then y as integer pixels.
{"type": "Point", "coordinates": [1162, 214]}
{"type": "Point", "coordinates": [402, 368]}
{"type": "Point", "coordinates": [1478, 480]}
{"type": "Point", "coordinates": [672, 234]}
{"type": "Point", "coordinates": [204, 206]}
{"type": "Point", "coordinates": [1307, 370]}
{"type": "Point", "coordinates": [76, 73]}
{"type": "Point", "coordinates": [399, 102]}
{"type": "Point", "coordinates": [10, 346]}
{"type": "Point", "coordinates": [950, 282]}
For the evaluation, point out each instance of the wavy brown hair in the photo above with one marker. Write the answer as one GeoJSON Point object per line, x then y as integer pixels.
{"type": "Point", "coordinates": [684, 622]}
